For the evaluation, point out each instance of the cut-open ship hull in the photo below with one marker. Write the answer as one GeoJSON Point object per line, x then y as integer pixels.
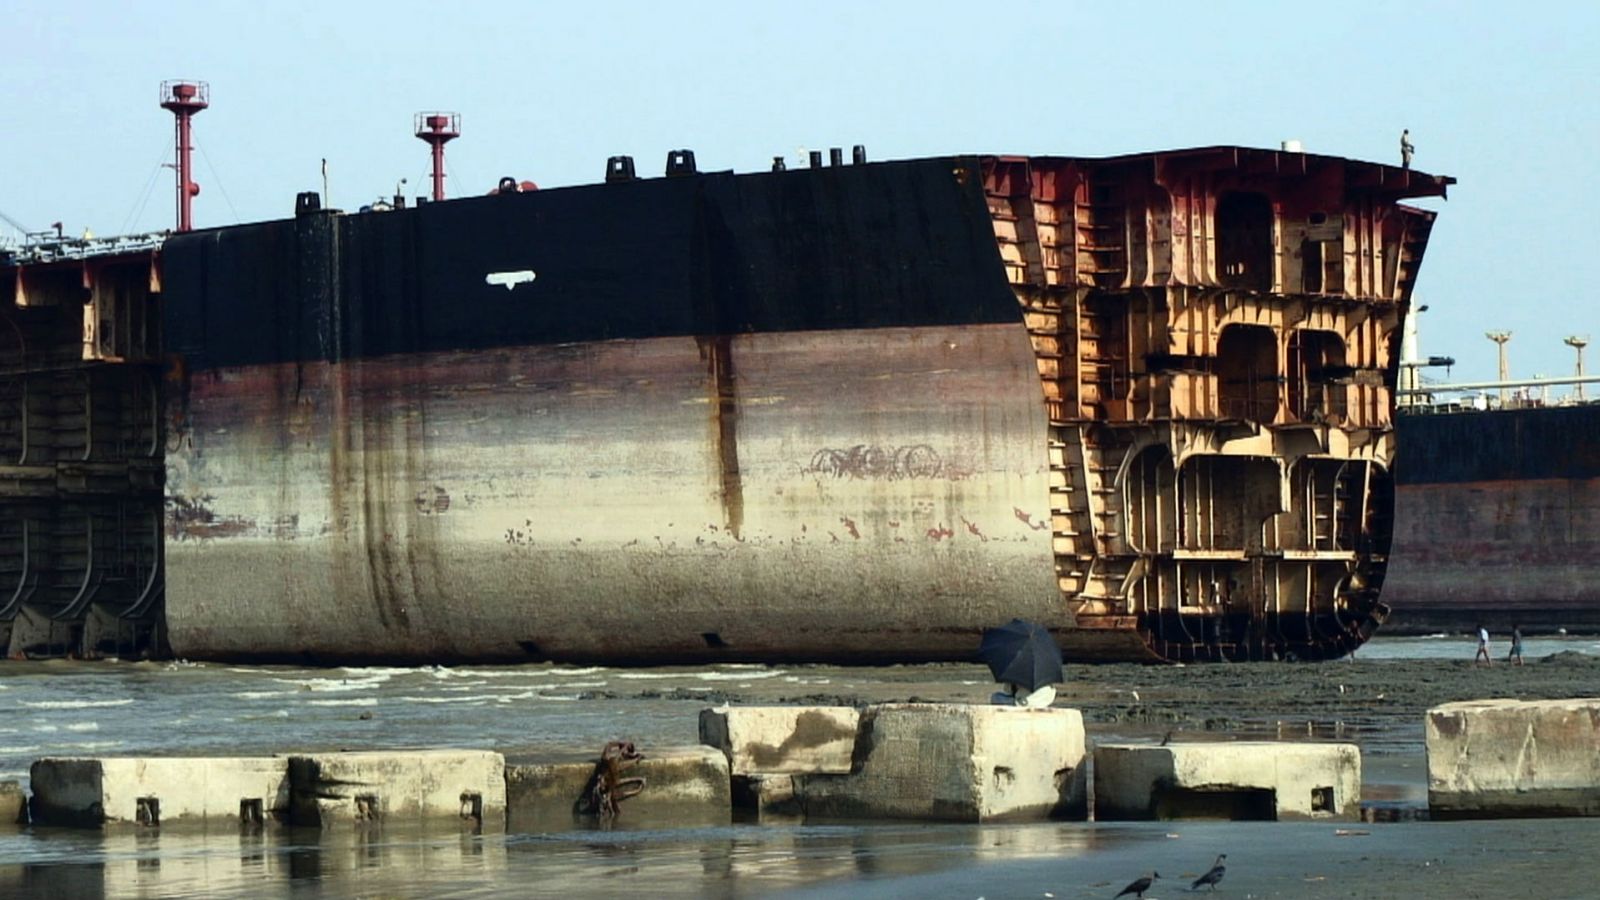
{"type": "Point", "coordinates": [856, 413]}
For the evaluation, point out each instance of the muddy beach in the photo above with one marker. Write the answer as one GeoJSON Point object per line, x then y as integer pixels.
{"type": "Point", "coordinates": [1375, 700]}
{"type": "Point", "coordinates": [1372, 698]}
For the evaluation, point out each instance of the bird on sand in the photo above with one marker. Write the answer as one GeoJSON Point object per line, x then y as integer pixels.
{"type": "Point", "coordinates": [1211, 878]}
{"type": "Point", "coordinates": [1139, 886]}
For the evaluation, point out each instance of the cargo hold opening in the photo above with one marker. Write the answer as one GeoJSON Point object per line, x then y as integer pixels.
{"type": "Point", "coordinates": [1247, 373]}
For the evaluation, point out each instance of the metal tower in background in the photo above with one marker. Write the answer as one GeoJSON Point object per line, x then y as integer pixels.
{"type": "Point", "coordinates": [1578, 342]}
{"type": "Point", "coordinates": [183, 99]}
{"type": "Point", "coordinates": [438, 129]}
{"type": "Point", "coordinates": [1500, 337]}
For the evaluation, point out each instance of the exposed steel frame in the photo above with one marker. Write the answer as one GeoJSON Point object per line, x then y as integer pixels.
{"type": "Point", "coordinates": [1221, 508]}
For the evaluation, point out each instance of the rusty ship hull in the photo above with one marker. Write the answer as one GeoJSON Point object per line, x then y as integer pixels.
{"type": "Point", "coordinates": [512, 502]}
{"type": "Point", "coordinates": [1498, 520]}
{"type": "Point", "coordinates": [856, 413]}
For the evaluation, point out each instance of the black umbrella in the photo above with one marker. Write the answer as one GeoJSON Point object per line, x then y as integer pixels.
{"type": "Point", "coordinates": [1022, 653]}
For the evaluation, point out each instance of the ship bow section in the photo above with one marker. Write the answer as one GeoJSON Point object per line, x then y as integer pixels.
{"type": "Point", "coordinates": [1216, 335]}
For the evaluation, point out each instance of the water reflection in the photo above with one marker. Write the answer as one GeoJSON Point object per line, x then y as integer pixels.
{"type": "Point", "coordinates": [746, 860]}
{"type": "Point", "coordinates": [725, 861]}
{"type": "Point", "coordinates": [265, 862]}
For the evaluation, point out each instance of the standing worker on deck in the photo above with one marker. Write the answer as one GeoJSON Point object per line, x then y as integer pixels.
{"type": "Point", "coordinates": [1405, 148]}
{"type": "Point", "coordinates": [1483, 647]}
{"type": "Point", "coordinates": [1516, 645]}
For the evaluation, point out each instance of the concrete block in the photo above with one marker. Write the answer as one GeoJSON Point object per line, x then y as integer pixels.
{"type": "Point", "coordinates": [958, 762]}
{"type": "Point", "coordinates": [1258, 780]}
{"type": "Point", "coordinates": [683, 786]}
{"type": "Point", "coordinates": [164, 791]}
{"type": "Point", "coordinates": [467, 786]}
{"type": "Point", "coordinates": [1514, 758]}
{"type": "Point", "coordinates": [13, 804]}
{"type": "Point", "coordinates": [782, 740]}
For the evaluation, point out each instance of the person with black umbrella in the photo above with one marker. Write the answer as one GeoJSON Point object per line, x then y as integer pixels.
{"type": "Point", "coordinates": [1025, 658]}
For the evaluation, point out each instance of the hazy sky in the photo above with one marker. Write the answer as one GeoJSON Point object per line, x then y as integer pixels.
{"type": "Point", "coordinates": [1504, 97]}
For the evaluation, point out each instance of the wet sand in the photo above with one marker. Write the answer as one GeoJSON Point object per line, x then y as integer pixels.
{"type": "Point", "coordinates": [1378, 703]}
{"type": "Point", "coordinates": [1543, 859]}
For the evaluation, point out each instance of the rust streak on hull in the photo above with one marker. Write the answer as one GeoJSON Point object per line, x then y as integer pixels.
{"type": "Point", "coordinates": [718, 354]}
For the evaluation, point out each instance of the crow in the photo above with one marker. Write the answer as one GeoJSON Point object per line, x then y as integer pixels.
{"type": "Point", "coordinates": [1139, 886]}
{"type": "Point", "coordinates": [1211, 878]}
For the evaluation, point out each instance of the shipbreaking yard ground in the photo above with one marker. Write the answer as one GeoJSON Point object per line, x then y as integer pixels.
{"type": "Point", "coordinates": [1377, 703]}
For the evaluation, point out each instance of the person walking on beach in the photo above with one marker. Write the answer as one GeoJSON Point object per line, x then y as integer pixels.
{"type": "Point", "coordinates": [1483, 647]}
{"type": "Point", "coordinates": [1516, 645]}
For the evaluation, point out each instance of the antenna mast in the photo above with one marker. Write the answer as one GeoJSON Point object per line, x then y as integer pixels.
{"type": "Point", "coordinates": [183, 99]}
{"type": "Point", "coordinates": [1500, 338]}
{"type": "Point", "coordinates": [1578, 342]}
{"type": "Point", "coordinates": [438, 129]}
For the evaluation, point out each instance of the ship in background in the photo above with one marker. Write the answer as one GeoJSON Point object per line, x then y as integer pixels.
{"type": "Point", "coordinates": [854, 412]}
{"type": "Point", "coordinates": [1497, 518]}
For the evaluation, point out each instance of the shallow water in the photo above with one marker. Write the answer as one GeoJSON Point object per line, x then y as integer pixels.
{"type": "Point", "coordinates": [65, 708]}
{"type": "Point", "coordinates": [1544, 858]}
{"type": "Point", "coordinates": [1465, 646]}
